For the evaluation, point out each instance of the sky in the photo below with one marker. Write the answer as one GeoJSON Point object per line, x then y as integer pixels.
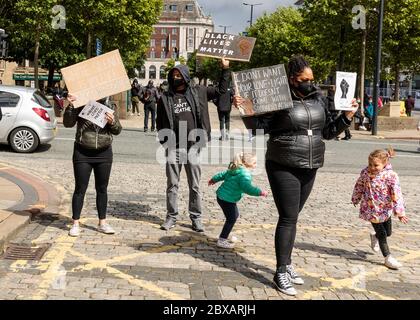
{"type": "Point", "coordinates": [233, 13]}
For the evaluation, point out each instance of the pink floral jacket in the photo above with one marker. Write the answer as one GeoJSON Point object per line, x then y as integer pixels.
{"type": "Point", "coordinates": [379, 196]}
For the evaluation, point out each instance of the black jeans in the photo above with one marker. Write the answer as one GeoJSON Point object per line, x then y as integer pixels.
{"type": "Point", "coordinates": [231, 212]}
{"type": "Point", "coordinates": [291, 188]}
{"type": "Point", "coordinates": [82, 171]}
{"type": "Point", "coordinates": [152, 109]}
{"type": "Point", "coordinates": [383, 230]}
{"type": "Point", "coordinates": [224, 121]}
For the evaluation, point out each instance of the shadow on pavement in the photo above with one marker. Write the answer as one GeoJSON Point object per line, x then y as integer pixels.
{"type": "Point", "coordinates": [202, 247]}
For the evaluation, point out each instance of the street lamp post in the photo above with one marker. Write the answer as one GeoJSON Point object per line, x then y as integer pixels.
{"type": "Point", "coordinates": [252, 10]}
{"type": "Point", "coordinates": [377, 77]}
{"type": "Point", "coordinates": [224, 27]}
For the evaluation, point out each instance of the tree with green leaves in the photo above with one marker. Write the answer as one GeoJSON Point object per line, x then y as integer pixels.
{"type": "Point", "coordinates": [401, 38]}
{"type": "Point", "coordinates": [125, 25]}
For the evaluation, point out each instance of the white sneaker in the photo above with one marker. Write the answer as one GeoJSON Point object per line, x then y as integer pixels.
{"type": "Point", "coordinates": [106, 228]}
{"type": "Point", "coordinates": [363, 128]}
{"type": "Point", "coordinates": [74, 231]}
{"type": "Point", "coordinates": [225, 243]}
{"type": "Point", "coordinates": [374, 243]}
{"type": "Point", "coordinates": [283, 284]}
{"type": "Point", "coordinates": [293, 275]}
{"type": "Point", "coordinates": [392, 263]}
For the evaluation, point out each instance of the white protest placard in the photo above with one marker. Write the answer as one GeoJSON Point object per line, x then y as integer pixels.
{"type": "Point", "coordinates": [96, 78]}
{"type": "Point", "coordinates": [95, 113]}
{"type": "Point", "coordinates": [264, 89]}
{"type": "Point", "coordinates": [345, 87]}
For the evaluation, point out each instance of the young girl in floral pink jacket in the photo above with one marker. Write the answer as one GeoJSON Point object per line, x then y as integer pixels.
{"type": "Point", "coordinates": [379, 193]}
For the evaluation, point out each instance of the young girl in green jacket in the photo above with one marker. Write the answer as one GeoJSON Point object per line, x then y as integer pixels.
{"type": "Point", "coordinates": [237, 180]}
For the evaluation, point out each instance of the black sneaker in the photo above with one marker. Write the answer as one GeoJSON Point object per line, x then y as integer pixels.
{"type": "Point", "coordinates": [153, 130]}
{"type": "Point", "coordinates": [169, 224]}
{"type": "Point", "coordinates": [197, 225]}
{"type": "Point", "coordinates": [283, 284]}
{"type": "Point", "coordinates": [145, 129]}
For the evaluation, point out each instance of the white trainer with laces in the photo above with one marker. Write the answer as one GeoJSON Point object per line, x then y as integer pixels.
{"type": "Point", "coordinates": [106, 228]}
{"type": "Point", "coordinates": [293, 275]}
{"type": "Point", "coordinates": [392, 263]}
{"type": "Point", "coordinates": [225, 243]}
{"type": "Point", "coordinates": [283, 284]}
{"type": "Point", "coordinates": [374, 243]}
{"type": "Point", "coordinates": [74, 231]}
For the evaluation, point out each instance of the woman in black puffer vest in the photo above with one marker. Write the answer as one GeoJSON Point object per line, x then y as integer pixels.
{"type": "Point", "coordinates": [295, 151]}
{"type": "Point", "coordinates": [92, 151]}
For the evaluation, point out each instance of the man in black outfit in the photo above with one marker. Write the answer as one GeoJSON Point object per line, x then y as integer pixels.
{"type": "Point", "coordinates": [183, 123]}
{"type": "Point", "coordinates": [224, 107]}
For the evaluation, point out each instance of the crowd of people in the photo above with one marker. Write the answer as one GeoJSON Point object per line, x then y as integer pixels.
{"type": "Point", "coordinates": [295, 152]}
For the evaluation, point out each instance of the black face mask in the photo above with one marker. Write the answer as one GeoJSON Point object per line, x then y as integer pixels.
{"type": "Point", "coordinates": [305, 87]}
{"type": "Point", "coordinates": [178, 83]}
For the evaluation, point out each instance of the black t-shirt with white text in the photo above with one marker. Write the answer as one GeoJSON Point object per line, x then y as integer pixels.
{"type": "Point", "coordinates": [183, 116]}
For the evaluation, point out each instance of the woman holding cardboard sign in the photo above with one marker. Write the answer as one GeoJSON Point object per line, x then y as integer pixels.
{"type": "Point", "coordinates": [295, 151]}
{"type": "Point", "coordinates": [92, 151]}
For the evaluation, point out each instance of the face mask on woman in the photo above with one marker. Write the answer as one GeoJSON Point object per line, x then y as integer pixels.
{"type": "Point", "coordinates": [305, 87]}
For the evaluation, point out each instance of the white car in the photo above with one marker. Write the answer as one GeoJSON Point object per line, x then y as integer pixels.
{"type": "Point", "coordinates": [28, 118]}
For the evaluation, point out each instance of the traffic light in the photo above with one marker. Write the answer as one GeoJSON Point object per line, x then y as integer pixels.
{"type": "Point", "coordinates": [3, 44]}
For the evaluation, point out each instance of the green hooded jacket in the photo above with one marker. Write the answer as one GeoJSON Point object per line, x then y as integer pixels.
{"type": "Point", "coordinates": [235, 183]}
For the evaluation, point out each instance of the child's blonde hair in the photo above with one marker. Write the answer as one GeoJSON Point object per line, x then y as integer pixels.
{"type": "Point", "coordinates": [241, 159]}
{"type": "Point", "coordinates": [382, 155]}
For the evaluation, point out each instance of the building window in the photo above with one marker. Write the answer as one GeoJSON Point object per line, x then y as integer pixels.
{"type": "Point", "coordinates": [173, 43]}
{"type": "Point", "coordinates": [152, 72]}
{"type": "Point", "coordinates": [165, 7]}
{"type": "Point", "coordinates": [163, 30]}
{"type": "Point", "coordinates": [163, 43]}
{"type": "Point", "coordinates": [152, 54]}
{"type": "Point", "coordinates": [156, 31]}
{"type": "Point", "coordinates": [152, 43]}
{"type": "Point", "coordinates": [190, 42]}
{"type": "Point", "coordinates": [189, 7]}
{"type": "Point", "coordinates": [142, 73]}
{"type": "Point", "coordinates": [174, 31]}
{"type": "Point", "coordinates": [173, 7]}
{"type": "Point", "coordinates": [162, 73]}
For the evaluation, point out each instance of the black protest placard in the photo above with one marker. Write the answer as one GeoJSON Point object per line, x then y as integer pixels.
{"type": "Point", "coordinates": [264, 89]}
{"type": "Point", "coordinates": [219, 45]}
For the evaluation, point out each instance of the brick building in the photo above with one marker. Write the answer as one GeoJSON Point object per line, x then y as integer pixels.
{"type": "Point", "coordinates": [179, 32]}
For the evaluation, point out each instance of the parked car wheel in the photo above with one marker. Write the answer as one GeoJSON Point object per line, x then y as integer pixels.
{"type": "Point", "coordinates": [23, 140]}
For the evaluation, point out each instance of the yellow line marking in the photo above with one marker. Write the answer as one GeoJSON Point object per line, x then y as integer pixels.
{"type": "Point", "coordinates": [148, 285]}
{"type": "Point", "coordinates": [51, 263]}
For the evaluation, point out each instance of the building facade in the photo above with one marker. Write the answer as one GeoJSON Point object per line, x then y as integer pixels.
{"type": "Point", "coordinates": [178, 33]}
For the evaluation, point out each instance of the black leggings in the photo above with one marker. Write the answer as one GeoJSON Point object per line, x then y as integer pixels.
{"type": "Point", "coordinates": [231, 212]}
{"type": "Point", "coordinates": [224, 119]}
{"type": "Point", "coordinates": [82, 171]}
{"type": "Point", "coordinates": [291, 188]}
{"type": "Point", "coordinates": [152, 109]}
{"type": "Point", "coordinates": [383, 230]}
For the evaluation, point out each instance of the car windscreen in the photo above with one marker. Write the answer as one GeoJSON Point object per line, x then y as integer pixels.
{"type": "Point", "coordinates": [41, 99]}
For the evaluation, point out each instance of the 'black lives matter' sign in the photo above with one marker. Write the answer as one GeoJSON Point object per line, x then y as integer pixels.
{"type": "Point", "coordinates": [218, 45]}
{"type": "Point", "coordinates": [264, 89]}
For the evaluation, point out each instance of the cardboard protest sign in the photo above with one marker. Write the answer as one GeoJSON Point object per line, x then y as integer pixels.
{"type": "Point", "coordinates": [264, 89]}
{"type": "Point", "coordinates": [219, 45]}
{"type": "Point", "coordinates": [345, 89]}
{"type": "Point", "coordinates": [95, 113]}
{"type": "Point", "coordinates": [96, 78]}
